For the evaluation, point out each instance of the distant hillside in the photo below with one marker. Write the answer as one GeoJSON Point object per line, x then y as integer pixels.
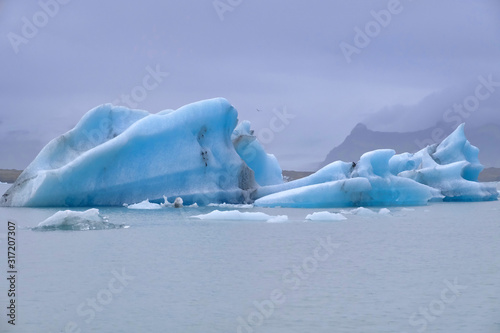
{"type": "Point", "coordinates": [362, 139]}
{"type": "Point", "coordinates": [9, 176]}
{"type": "Point", "coordinates": [490, 175]}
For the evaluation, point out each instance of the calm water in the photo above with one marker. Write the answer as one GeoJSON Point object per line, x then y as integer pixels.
{"type": "Point", "coordinates": [434, 268]}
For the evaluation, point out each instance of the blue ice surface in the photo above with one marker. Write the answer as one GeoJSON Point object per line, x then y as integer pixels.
{"type": "Point", "coordinates": [115, 155]}
{"type": "Point", "coordinates": [447, 172]}
{"type": "Point", "coordinates": [370, 184]}
{"type": "Point", "coordinates": [265, 166]}
{"type": "Point", "coordinates": [452, 167]}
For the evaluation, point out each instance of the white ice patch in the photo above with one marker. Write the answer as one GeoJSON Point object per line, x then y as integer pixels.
{"type": "Point", "coordinates": [145, 205]}
{"type": "Point", "coordinates": [384, 211]}
{"type": "Point", "coordinates": [233, 206]}
{"type": "Point", "coordinates": [360, 211]}
{"type": "Point", "coordinates": [237, 215]}
{"type": "Point", "coordinates": [278, 219]}
{"type": "Point", "coordinates": [325, 216]}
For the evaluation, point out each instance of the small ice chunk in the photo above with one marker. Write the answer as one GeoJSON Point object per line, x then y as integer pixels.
{"type": "Point", "coordinates": [325, 216]}
{"type": "Point", "coordinates": [361, 211]}
{"type": "Point", "coordinates": [70, 220]}
{"type": "Point", "coordinates": [384, 211]}
{"type": "Point", "coordinates": [226, 205]}
{"type": "Point", "coordinates": [145, 205]}
{"type": "Point", "coordinates": [237, 215]}
{"type": "Point", "coordinates": [278, 219]}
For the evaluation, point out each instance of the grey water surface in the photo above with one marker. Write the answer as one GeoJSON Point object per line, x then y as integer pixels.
{"type": "Point", "coordinates": [432, 268]}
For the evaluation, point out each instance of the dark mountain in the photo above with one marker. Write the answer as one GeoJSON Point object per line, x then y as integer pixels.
{"type": "Point", "coordinates": [362, 139]}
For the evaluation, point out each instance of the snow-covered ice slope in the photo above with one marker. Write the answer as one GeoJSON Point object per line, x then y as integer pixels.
{"type": "Point", "coordinates": [116, 155]}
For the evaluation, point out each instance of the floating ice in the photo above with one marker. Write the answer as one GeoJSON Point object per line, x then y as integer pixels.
{"type": "Point", "coordinates": [115, 155]}
{"type": "Point", "coordinates": [233, 206]}
{"type": "Point", "coordinates": [325, 216]}
{"type": "Point", "coordinates": [452, 167]}
{"type": "Point", "coordinates": [145, 205]}
{"type": "Point", "coordinates": [371, 185]}
{"type": "Point", "coordinates": [71, 220]}
{"type": "Point", "coordinates": [237, 215]}
{"type": "Point", "coordinates": [278, 219]}
{"type": "Point", "coordinates": [361, 211]}
{"type": "Point", "coordinates": [447, 171]}
{"type": "Point", "coordinates": [384, 211]}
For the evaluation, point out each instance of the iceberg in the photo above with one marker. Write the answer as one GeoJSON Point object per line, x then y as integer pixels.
{"type": "Point", "coordinates": [370, 184]}
{"type": "Point", "coordinates": [447, 172]}
{"type": "Point", "coordinates": [200, 153]}
{"type": "Point", "coordinates": [115, 155]}
{"type": "Point", "coordinates": [452, 167]}
{"type": "Point", "coordinates": [70, 220]}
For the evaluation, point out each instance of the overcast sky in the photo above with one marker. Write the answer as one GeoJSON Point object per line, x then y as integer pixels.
{"type": "Point", "coordinates": [304, 58]}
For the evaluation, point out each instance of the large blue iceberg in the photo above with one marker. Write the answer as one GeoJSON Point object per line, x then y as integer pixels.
{"type": "Point", "coordinates": [117, 156]}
